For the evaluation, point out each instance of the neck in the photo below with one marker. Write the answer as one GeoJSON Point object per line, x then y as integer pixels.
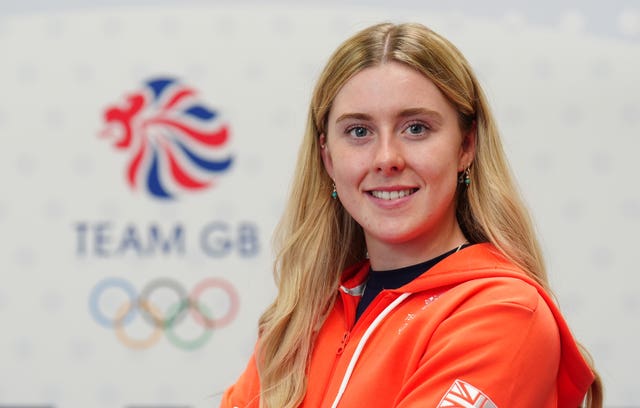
{"type": "Point", "coordinates": [387, 256]}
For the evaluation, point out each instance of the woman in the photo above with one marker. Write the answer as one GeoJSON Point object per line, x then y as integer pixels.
{"type": "Point", "coordinates": [408, 271]}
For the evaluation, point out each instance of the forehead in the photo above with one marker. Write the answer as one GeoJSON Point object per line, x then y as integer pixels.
{"type": "Point", "coordinates": [388, 88]}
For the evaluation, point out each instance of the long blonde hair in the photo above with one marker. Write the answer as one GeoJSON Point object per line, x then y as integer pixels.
{"type": "Point", "coordinates": [316, 239]}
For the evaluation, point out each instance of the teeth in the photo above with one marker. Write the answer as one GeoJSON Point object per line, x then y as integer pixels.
{"type": "Point", "coordinates": [391, 195]}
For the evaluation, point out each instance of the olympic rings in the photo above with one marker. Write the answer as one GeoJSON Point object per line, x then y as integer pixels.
{"type": "Point", "coordinates": [190, 344]}
{"type": "Point", "coordinates": [94, 307]}
{"type": "Point", "coordinates": [233, 297]}
{"type": "Point", "coordinates": [129, 341]}
{"type": "Point", "coordinates": [142, 305]}
{"type": "Point", "coordinates": [166, 283]}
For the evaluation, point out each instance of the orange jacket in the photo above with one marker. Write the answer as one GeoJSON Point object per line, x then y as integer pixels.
{"type": "Point", "coordinates": [474, 331]}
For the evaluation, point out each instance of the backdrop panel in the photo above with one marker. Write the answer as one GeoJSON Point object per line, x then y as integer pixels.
{"type": "Point", "coordinates": [146, 158]}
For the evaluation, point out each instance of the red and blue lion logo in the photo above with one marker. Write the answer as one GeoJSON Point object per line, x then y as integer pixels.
{"type": "Point", "coordinates": [175, 142]}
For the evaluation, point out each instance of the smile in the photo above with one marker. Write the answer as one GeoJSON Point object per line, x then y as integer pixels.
{"type": "Point", "coordinates": [392, 195]}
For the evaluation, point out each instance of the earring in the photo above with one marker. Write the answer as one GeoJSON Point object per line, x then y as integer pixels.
{"type": "Point", "coordinates": [464, 177]}
{"type": "Point", "coordinates": [334, 193]}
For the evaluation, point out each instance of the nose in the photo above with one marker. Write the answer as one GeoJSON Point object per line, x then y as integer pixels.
{"type": "Point", "coordinates": [389, 158]}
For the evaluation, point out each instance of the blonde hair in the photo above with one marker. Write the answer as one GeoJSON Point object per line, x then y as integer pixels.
{"type": "Point", "coordinates": [317, 238]}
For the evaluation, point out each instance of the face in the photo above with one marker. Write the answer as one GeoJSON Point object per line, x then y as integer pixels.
{"type": "Point", "coordinates": [394, 150]}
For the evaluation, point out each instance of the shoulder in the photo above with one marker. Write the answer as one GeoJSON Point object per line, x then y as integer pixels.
{"type": "Point", "coordinates": [506, 318]}
{"type": "Point", "coordinates": [505, 290]}
{"type": "Point", "coordinates": [501, 307]}
{"type": "Point", "coordinates": [499, 334]}
{"type": "Point", "coordinates": [482, 273]}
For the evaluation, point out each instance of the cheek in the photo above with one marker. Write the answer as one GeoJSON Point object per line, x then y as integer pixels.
{"type": "Point", "coordinates": [440, 162]}
{"type": "Point", "coordinates": [349, 167]}
{"type": "Point", "coordinates": [439, 176]}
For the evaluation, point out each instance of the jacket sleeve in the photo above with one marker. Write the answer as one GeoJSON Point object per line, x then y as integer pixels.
{"type": "Point", "coordinates": [245, 393]}
{"type": "Point", "coordinates": [495, 350]}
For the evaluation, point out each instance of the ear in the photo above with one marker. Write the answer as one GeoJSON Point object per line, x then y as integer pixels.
{"type": "Point", "coordinates": [326, 155]}
{"type": "Point", "coordinates": [467, 149]}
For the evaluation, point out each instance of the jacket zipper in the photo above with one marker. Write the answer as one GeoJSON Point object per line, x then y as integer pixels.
{"type": "Point", "coordinates": [349, 309]}
{"type": "Point", "coordinates": [350, 327]}
{"type": "Point", "coordinates": [343, 343]}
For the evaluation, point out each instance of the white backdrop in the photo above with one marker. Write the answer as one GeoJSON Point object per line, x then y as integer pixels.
{"type": "Point", "coordinates": [566, 99]}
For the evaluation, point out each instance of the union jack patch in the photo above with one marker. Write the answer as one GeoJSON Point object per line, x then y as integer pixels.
{"type": "Point", "coordinates": [464, 395]}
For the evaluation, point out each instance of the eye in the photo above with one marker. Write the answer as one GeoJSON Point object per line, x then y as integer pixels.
{"type": "Point", "coordinates": [358, 131]}
{"type": "Point", "coordinates": [417, 128]}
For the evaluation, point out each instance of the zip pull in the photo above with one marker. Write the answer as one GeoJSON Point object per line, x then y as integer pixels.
{"type": "Point", "coordinates": [343, 343]}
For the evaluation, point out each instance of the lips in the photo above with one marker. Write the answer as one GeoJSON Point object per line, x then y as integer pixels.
{"type": "Point", "coordinates": [392, 195]}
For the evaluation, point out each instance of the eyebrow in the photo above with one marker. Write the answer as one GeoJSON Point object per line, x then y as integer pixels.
{"type": "Point", "coordinates": [360, 116]}
{"type": "Point", "coordinates": [403, 114]}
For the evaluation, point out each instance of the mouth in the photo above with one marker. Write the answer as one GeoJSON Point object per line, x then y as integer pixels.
{"type": "Point", "coordinates": [392, 195]}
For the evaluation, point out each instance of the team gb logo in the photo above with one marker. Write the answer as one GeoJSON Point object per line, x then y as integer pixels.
{"type": "Point", "coordinates": [175, 142]}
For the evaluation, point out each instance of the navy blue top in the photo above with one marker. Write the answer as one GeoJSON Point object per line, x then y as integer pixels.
{"type": "Point", "coordinates": [395, 278]}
